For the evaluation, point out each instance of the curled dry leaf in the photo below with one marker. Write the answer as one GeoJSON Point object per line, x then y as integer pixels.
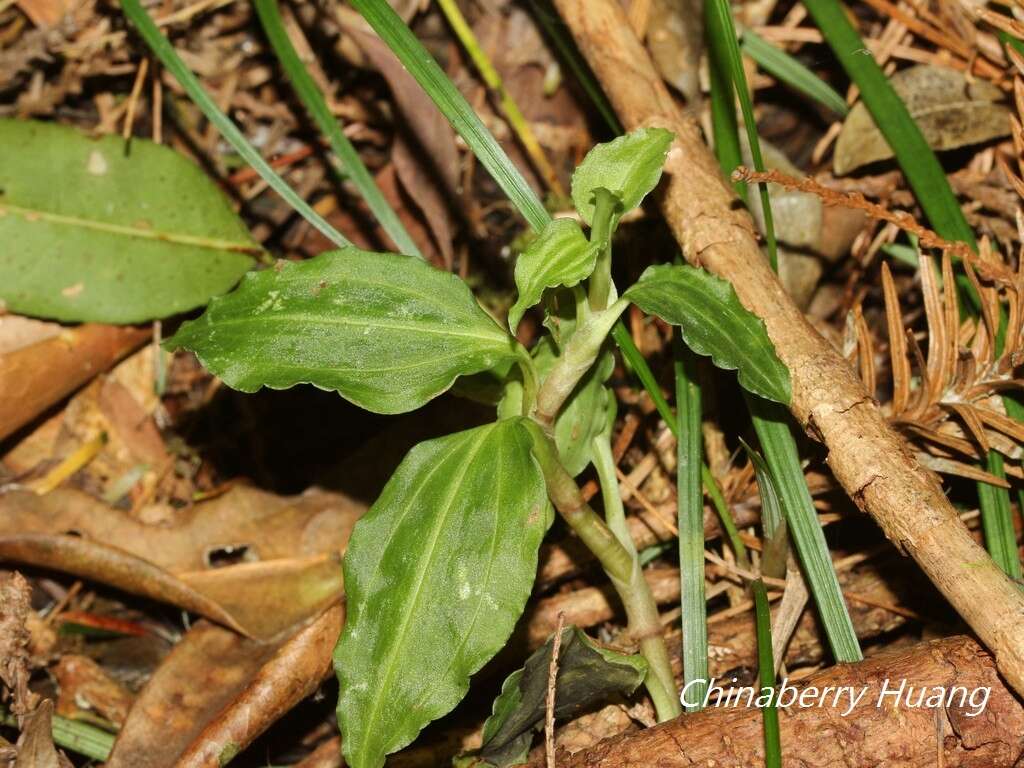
{"type": "Point", "coordinates": [35, 745]}
{"type": "Point", "coordinates": [289, 548]}
{"type": "Point", "coordinates": [34, 377]}
{"type": "Point", "coordinates": [84, 687]}
{"type": "Point", "coordinates": [294, 671]}
{"type": "Point", "coordinates": [950, 111]}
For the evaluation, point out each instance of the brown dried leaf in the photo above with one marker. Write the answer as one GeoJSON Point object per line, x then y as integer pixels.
{"type": "Point", "coordinates": [294, 672]}
{"type": "Point", "coordinates": [35, 745]}
{"type": "Point", "coordinates": [107, 565]}
{"type": "Point", "coordinates": [267, 526]}
{"type": "Point", "coordinates": [950, 111]}
{"type": "Point", "coordinates": [206, 670]}
{"type": "Point", "coordinates": [85, 686]}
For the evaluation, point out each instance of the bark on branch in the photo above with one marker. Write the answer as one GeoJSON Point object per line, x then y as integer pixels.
{"type": "Point", "coordinates": [871, 461]}
{"type": "Point", "coordinates": [820, 737]}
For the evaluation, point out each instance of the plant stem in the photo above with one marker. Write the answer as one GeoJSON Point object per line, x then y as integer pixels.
{"type": "Point", "coordinates": [508, 105]}
{"type": "Point", "coordinates": [529, 372]}
{"type": "Point", "coordinates": [614, 512]}
{"type": "Point", "coordinates": [622, 568]}
{"type": "Point", "coordinates": [601, 233]}
{"type": "Point", "coordinates": [576, 359]}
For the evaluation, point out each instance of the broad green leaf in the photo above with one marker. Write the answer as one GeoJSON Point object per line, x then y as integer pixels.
{"type": "Point", "coordinates": [629, 167]}
{"type": "Point", "coordinates": [388, 332]}
{"type": "Point", "coordinates": [92, 232]}
{"type": "Point", "coordinates": [713, 322]}
{"type": "Point", "coordinates": [587, 675]}
{"type": "Point", "coordinates": [584, 414]}
{"type": "Point", "coordinates": [560, 255]}
{"type": "Point", "coordinates": [436, 575]}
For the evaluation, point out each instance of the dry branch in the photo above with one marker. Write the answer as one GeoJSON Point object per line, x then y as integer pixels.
{"type": "Point", "coordinates": [815, 737]}
{"type": "Point", "coordinates": [871, 461]}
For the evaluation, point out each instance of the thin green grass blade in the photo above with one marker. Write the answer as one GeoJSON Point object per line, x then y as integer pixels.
{"type": "Point", "coordinates": [926, 177]}
{"type": "Point", "coordinates": [351, 165]}
{"type": "Point", "coordinates": [432, 79]}
{"type": "Point", "coordinates": [690, 514]}
{"type": "Point", "coordinates": [726, 51]}
{"type": "Point", "coordinates": [766, 674]}
{"type": "Point", "coordinates": [165, 52]}
{"type": "Point", "coordinates": [771, 422]}
{"type": "Point", "coordinates": [80, 738]}
{"type": "Point", "coordinates": [792, 72]}
{"type": "Point", "coordinates": [780, 451]}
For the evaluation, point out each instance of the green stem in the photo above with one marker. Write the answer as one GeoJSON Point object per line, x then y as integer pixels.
{"type": "Point", "coordinates": [614, 512]}
{"type": "Point", "coordinates": [529, 371]}
{"type": "Point", "coordinates": [576, 359]}
{"type": "Point", "coordinates": [622, 568]}
{"type": "Point", "coordinates": [766, 673]}
{"type": "Point", "coordinates": [601, 233]}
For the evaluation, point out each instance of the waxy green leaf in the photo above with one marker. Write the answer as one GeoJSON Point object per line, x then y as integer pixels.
{"type": "Point", "coordinates": [388, 332]}
{"type": "Point", "coordinates": [92, 230]}
{"type": "Point", "coordinates": [713, 322]}
{"type": "Point", "coordinates": [560, 255]}
{"type": "Point", "coordinates": [629, 167]}
{"type": "Point", "coordinates": [587, 675]}
{"type": "Point", "coordinates": [436, 575]}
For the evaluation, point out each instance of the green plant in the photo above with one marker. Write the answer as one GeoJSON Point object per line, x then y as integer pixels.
{"type": "Point", "coordinates": [440, 568]}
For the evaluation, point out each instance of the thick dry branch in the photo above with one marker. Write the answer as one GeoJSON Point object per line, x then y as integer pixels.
{"type": "Point", "coordinates": [820, 737]}
{"type": "Point", "coordinates": [872, 462]}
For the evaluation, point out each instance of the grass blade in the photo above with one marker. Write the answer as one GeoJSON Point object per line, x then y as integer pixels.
{"type": "Point", "coordinates": [432, 79]}
{"type": "Point", "coordinates": [928, 180]}
{"type": "Point", "coordinates": [81, 738]}
{"type": "Point", "coordinates": [793, 73]}
{"type": "Point", "coordinates": [690, 512]}
{"type": "Point", "coordinates": [780, 451]}
{"type": "Point", "coordinates": [766, 674]}
{"type": "Point", "coordinates": [722, 37]}
{"type": "Point", "coordinates": [165, 52]}
{"type": "Point", "coordinates": [311, 98]}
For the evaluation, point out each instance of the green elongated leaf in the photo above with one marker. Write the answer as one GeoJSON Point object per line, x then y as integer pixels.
{"type": "Point", "coordinates": [629, 167]}
{"type": "Point", "coordinates": [436, 575]}
{"type": "Point", "coordinates": [766, 676]}
{"type": "Point", "coordinates": [771, 425]}
{"type": "Point", "coordinates": [388, 332]}
{"type": "Point", "coordinates": [560, 255]}
{"type": "Point", "coordinates": [308, 92]}
{"type": "Point", "coordinates": [713, 322]}
{"type": "Point", "coordinates": [587, 675]}
{"type": "Point", "coordinates": [90, 233]}
{"type": "Point", "coordinates": [792, 72]}
{"type": "Point", "coordinates": [690, 519]}
{"type": "Point", "coordinates": [165, 52]}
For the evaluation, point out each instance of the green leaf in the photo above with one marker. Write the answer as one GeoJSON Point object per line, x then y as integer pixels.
{"type": "Point", "coordinates": [629, 167]}
{"type": "Point", "coordinates": [713, 322]}
{"type": "Point", "coordinates": [587, 675]}
{"type": "Point", "coordinates": [792, 72]}
{"type": "Point", "coordinates": [388, 332]}
{"type": "Point", "coordinates": [436, 575]}
{"type": "Point", "coordinates": [92, 233]}
{"type": "Point", "coordinates": [560, 255]}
